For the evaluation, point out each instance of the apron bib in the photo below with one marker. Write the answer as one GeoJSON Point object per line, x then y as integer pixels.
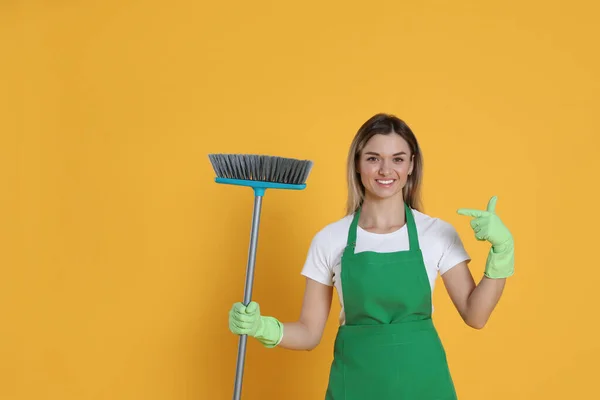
{"type": "Point", "coordinates": [388, 348]}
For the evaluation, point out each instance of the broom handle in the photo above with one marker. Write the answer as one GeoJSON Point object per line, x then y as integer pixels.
{"type": "Point", "coordinates": [241, 356]}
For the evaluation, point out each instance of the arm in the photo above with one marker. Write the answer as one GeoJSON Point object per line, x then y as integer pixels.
{"type": "Point", "coordinates": [474, 303]}
{"type": "Point", "coordinates": [306, 333]}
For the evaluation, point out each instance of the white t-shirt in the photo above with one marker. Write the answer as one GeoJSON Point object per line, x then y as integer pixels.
{"type": "Point", "coordinates": [440, 244]}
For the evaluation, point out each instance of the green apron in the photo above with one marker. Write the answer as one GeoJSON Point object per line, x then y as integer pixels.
{"type": "Point", "coordinates": [388, 348]}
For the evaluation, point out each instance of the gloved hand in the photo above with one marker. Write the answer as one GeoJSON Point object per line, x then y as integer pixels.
{"type": "Point", "coordinates": [246, 320]}
{"type": "Point", "coordinates": [488, 226]}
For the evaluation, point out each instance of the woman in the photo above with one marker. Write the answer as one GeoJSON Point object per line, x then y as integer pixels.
{"type": "Point", "coordinates": [383, 258]}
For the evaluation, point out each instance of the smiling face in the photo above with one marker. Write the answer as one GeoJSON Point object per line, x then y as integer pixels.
{"type": "Point", "coordinates": [384, 166]}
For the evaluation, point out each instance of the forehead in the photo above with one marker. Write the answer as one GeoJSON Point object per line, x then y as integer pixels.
{"type": "Point", "coordinates": [392, 143]}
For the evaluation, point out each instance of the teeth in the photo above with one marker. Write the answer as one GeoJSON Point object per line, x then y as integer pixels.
{"type": "Point", "coordinates": [385, 182]}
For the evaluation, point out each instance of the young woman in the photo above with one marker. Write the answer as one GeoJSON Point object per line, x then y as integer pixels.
{"type": "Point", "coordinates": [383, 258]}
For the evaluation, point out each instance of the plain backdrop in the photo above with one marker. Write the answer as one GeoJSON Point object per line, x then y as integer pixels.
{"type": "Point", "coordinates": [120, 257]}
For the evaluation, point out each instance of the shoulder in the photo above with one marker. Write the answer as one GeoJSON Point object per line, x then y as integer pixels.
{"type": "Point", "coordinates": [334, 231]}
{"type": "Point", "coordinates": [443, 248]}
{"type": "Point", "coordinates": [325, 249]}
{"type": "Point", "coordinates": [428, 225]}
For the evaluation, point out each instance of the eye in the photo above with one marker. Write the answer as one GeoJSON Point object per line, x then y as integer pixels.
{"type": "Point", "coordinates": [398, 159]}
{"type": "Point", "coordinates": [372, 158]}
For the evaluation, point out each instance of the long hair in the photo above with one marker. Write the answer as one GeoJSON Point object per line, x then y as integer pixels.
{"type": "Point", "coordinates": [384, 124]}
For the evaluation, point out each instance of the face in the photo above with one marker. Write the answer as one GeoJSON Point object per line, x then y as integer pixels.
{"type": "Point", "coordinates": [384, 166]}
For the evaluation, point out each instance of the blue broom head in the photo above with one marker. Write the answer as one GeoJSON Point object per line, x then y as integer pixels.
{"type": "Point", "coordinates": [260, 172]}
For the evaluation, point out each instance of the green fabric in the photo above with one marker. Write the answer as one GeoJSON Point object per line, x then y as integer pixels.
{"type": "Point", "coordinates": [248, 321]}
{"type": "Point", "coordinates": [487, 225]}
{"type": "Point", "coordinates": [389, 347]}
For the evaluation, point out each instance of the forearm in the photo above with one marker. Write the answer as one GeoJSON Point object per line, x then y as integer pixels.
{"type": "Point", "coordinates": [304, 334]}
{"type": "Point", "coordinates": [482, 301]}
{"type": "Point", "coordinates": [297, 336]}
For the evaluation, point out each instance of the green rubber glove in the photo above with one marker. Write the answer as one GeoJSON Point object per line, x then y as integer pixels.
{"type": "Point", "coordinates": [488, 226]}
{"type": "Point", "coordinates": [248, 321]}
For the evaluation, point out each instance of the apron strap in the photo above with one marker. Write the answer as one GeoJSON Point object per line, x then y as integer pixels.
{"type": "Point", "coordinates": [352, 231]}
{"type": "Point", "coordinates": [413, 237]}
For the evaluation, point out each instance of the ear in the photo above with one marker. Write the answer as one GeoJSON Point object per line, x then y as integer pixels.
{"type": "Point", "coordinates": [412, 164]}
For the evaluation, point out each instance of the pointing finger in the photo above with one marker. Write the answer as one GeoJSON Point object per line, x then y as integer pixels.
{"type": "Point", "coordinates": [469, 212]}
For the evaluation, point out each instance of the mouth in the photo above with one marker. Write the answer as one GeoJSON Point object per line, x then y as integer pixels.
{"type": "Point", "coordinates": [385, 183]}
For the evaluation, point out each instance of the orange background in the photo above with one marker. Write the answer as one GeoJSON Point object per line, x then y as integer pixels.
{"type": "Point", "coordinates": [121, 257]}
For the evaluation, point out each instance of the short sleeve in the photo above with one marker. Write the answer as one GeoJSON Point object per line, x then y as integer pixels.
{"type": "Point", "coordinates": [317, 265]}
{"type": "Point", "coordinates": [453, 250]}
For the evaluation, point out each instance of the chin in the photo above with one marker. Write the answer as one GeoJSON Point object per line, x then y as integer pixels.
{"type": "Point", "coordinates": [385, 194]}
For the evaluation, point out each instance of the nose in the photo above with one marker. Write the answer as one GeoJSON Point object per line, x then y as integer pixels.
{"type": "Point", "coordinates": [384, 169]}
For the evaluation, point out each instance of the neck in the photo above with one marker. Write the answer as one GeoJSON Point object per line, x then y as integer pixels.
{"type": "Point", "coordinates": [382, 215]}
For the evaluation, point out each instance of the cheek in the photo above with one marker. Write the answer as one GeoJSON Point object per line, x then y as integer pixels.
{"type": "Point", "coordinates": [403, 170]}
{"type": "Point", "coordinates": [365, 175]}
{"type": "Point", "coordinates": [367, 170]}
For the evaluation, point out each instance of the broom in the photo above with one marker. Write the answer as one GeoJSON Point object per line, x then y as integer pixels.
{"type": "Point", "coordinates": [260, 172]}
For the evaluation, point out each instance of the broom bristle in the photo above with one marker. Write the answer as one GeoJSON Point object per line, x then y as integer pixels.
{"type": "Point", "coordinates": [262, 168]}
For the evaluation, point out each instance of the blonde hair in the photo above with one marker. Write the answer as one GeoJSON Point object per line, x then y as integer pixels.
{"type": "Point", "coordinates": [384, 124]}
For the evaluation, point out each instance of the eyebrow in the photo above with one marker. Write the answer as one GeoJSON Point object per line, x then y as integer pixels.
{"type": "Point", "coordinates": [377, 154]}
